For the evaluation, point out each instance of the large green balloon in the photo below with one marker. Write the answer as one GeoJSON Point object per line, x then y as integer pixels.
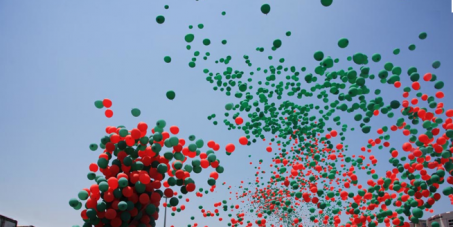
{"type": "Point", "coordinates": [189, 38]}
{"type": "Point", "coordinates": [171, 95]}
{"type": "Point", "coordinates": [277, 43]}
{"type": "Point", "coordinates": [135, 112]}
{"type": "Point", "coordinates": [160, 19]}
{"type": "Point", "coordinates": [265, 8]}
{"type": "Point", "coordinates": [326, 2]}
{"type": "Point", "coordinates": [343, 43]}
{"type": "Point", "coordinates": [174, 201]}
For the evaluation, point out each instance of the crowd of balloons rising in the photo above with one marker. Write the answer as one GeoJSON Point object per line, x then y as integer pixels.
{"type": "Point", "coordinates": [315, 181]}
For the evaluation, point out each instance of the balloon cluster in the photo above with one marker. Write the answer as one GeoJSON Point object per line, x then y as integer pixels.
{"type": "Point", "coordinates": [137, 173]}
{"type": "Point", "coordinates": [309, 165]}
{"type": "Point", "coordinates": [315, 179]}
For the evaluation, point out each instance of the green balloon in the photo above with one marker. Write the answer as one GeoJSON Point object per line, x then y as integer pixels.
{"type": "Point", "coordinates": [417, 212]}
{"type": "Point", "coordinates": [98, 104]}
{"type": "Point", "coordinates": [160, 19]}
{"type": "Point", "coordinates": [167, 59]}
{"type": "Point", "coordinates": [122, 205]}
{"type": "Point", "coordinates": [376, 57]}
{"type": "Point", "coordinates": [265, 8]}
{"type": "Point", "coordinates": [103, 186]}
{"type": "Point", "coordinates": [277, 43]}
{"type": "Point", "coordinates": [150, 209]}
{"type": "Point", "coordinates": [174, 201]}
{"type": "Point", "coordinates": [439, 85]}
{"type": "Point", "coordinates": [436, 64]}
{"type": "Point", "coordinates": [135, 112]}
{"type": "Point", "coordinates": [73, 202]}
{"type": "Point", "coordinates": [123, 182]}
{"type": "Point", "coordinates": [396, 51]}
{"type": "Point", "coordinates": [189, 38]}
{"type": "Point", "coordinates": [366, 129]}
{"type": "Point", "coordinates": [422, 35]}
{"type": "Point", "coordinates": [206, 42]}
{"type": "Point", "coordinates": [229, 106]}
{"type": "Point", "coordinates": [318, 55]}
{"type": "Point", "coordinates": [171, 95]}
{"type": "Point", "coordinates": [211, 181]}
{"type": "Point", "coordinates": [326, 2]}
{"type": "Point", "coordinates": [162, 168]}
{"type": "Point", "coordinates": [395, 104]}
{"type": "Point", "coordinates": [93, 146]}
{"type": "Point", "coordinates": [359, 58]}
{"type": "Point", "coordinates": [103, 163]}
{"type": "Point", "coordinates": [83, 195]}
{"type": "Point", "coordinates": [343, 43]}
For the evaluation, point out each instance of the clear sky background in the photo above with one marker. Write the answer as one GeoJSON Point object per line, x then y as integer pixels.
{"type": "Point", "coordinates": [58, 57]}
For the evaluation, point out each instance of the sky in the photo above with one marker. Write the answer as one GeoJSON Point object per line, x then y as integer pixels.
{"type": "Point", "coordinates": [58, 57]}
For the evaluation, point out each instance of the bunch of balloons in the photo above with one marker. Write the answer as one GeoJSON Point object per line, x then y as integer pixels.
{"type": "Point", "coordinates": [138, 169]}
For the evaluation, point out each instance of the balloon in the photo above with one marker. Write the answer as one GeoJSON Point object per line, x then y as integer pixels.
{"type": "Point", "coordinates": [206, 42]}
{"type": "Point", "coordinates": [160, 19]}
{"type": "Point", "coordinates": [107, 103]}
{"type": "Point", "coordinates": [326, 2]}
{"type": "Point", "coordinates": [135, 112]}
{"type": "Point", "coordinates": [108, 113]}
{"type": "Point", "coordinates": [265, 8]}
{"type": "Point", "coordinates": [171, 95]}
{"type": "Point", "coordinates": [189, 38]}
{"type": "Point", "coordinates": [167, 59]}
{"type": "Point", "coordinates": [230, 148]}
{"type": "Point", "coordinates": [343, 42]}
{"type": "Point", "coordinates": [243, 140]}
{"type": "Point", "coordinates": [422, 35]}
{"type": "Point", "coordinates": [277, 43]}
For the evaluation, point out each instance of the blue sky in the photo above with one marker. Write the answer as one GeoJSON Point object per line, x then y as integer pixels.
{"type": "Point", "coordinates": [58, 57]}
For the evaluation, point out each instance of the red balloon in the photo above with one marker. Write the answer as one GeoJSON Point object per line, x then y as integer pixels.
{"type": "Point", "coordinates": [214, 175]}
{"type": "Point", "coordinates": [427, 77]}
{"type": "Point", "coordinates": [108, 113]}
{"type": "Point", "coordinates": [142, 126]}
{"type": "Point", "coordinates": [239, 120]}
{"type": "Point", "coordinates": [113, 183]}
{"type": "Point", "coordinates": [84, 214]}
{"type": "Point", "coordinates": [116, 222]}
{"type": "Point", "coordinates": [110, 214]}
{"type": "Point", "coordinates": [333, 133]}
{"type": "Point", "coordinates": [204, 163]}
{"type": "Point", "coordinates": [94, 167]}
{"type": "Point", "coordinates": [135, 133]}
{"type": "Point", "coordinates": [144, 198]}
{"type": "Point", "coordinates": [230, 148]}
{"type": "Point", "coordinates": [269, 149]}
{"type": "Point", "coordinates": [190, 187]}
{"type": "Point", "coordinates": [107, 103]}
{"type": "Point", "coordinates": [243, 140]}
{"type": "Point", "coordinates": [416, 85]}
{"type": "Point", "coordinates": [174, 130]}
{"type": "Point", "coordinates": [168, 193]}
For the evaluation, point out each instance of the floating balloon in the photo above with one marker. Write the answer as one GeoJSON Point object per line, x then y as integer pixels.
{"type": "Point", "coordinates": [265, 8]}
{"type": "Point", "coordinates": [171, 95]}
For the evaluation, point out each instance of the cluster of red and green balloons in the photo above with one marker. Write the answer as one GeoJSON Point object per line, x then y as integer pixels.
{"type": "Point", "coordinates": [138, 168]}
{"type": "Point", "coordinates": [314, 177]}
